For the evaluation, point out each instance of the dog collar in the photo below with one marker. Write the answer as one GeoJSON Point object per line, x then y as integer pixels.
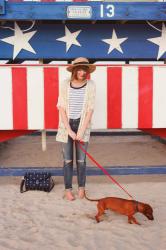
{"type": "Point", "coordinates": [136, 205]}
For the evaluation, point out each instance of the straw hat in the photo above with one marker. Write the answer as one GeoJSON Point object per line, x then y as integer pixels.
{"type": "Point", "coordinates": [81, 61]}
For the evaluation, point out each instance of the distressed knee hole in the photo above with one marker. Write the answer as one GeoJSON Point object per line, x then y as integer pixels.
{"type": "Point", "coordinates": [68, 161]}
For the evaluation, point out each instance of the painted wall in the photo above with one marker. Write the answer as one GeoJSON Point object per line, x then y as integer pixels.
{"type": "Point", "coordinates": [127, 96]}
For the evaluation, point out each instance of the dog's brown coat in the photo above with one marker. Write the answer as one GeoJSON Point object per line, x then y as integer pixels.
{"type": "Point", "coordinates": [123, 206]}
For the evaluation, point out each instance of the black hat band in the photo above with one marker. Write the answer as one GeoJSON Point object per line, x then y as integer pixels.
{"type": "Point", "coordinates": [80, 63]}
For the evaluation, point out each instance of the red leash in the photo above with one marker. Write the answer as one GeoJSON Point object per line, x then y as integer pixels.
{"type": "Point", "coordinates": [103, 169]}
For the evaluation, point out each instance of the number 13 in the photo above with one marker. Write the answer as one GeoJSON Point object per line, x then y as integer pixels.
{"type": "Point", "coordinates": [109, 12]}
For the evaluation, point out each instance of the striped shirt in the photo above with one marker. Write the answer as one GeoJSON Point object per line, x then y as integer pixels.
{"type": "Point", "coordinates": [76, 100]}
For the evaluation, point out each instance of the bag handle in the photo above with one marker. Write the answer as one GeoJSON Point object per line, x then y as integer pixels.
{"type": "Point", "coordinates": [52, 185]}
{"type": "Point", "coordinates": [22, 185]}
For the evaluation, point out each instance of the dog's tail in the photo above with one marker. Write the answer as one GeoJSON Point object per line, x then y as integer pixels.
{"type": "Point", "coordinates": [90, 199]}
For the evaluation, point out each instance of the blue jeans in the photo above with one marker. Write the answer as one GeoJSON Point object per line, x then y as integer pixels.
{"type": "Point", "coordinates": [68, 153]}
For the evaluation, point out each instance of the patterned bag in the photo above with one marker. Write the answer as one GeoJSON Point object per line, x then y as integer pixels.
{"type": "Point", "coordinates": [37, 181]}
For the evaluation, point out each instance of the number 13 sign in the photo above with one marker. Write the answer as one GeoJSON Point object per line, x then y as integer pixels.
{"type": "Point", "coordinates": [107, 10]}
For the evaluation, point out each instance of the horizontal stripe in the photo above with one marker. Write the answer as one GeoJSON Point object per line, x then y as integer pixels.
{"type": "Point", "coordinates": [74, 105]}
{"type": "Point", "coordinates": [76, 90]}
{"type": "Point", "coordinates": [76, 97]}
{"type": "Point", "coordinates": [58, 171]}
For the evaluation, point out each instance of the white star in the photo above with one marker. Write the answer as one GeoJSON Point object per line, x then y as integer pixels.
{"type": "Point", "coordinates": [160, 41]}
{"type": "Point", "coordinates": [20, 40]}
{"type": "Point", "coordinates": [70, 38]}
{"type": "Point", "coordinates": [114, 42]}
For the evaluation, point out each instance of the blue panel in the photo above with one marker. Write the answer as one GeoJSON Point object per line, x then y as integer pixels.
{"type": "Point", "coordinates": [100, 11]}
{"type": "Point", "coordinates": [2, 7]}
{"type": "Point", "coordinates": [118, 170]}
{"type": "Point", "coordinates": [45, 43]}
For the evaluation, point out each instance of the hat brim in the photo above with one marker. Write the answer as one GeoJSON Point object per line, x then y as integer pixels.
{"type": "Point", "coordinates": [91, 67]}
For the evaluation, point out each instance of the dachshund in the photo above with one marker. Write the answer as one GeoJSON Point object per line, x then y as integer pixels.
{"type": "Point", "coordinates": [123, 206]}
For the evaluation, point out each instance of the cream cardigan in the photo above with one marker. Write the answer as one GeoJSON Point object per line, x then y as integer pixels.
{"type": "Point", "coordinates": [63, 101]}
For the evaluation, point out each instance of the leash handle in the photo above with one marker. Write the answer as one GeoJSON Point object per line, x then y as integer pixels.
{"type": "Point", "coordinates": [103, 169]}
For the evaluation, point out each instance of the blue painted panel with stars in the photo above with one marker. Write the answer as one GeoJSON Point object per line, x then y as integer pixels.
{"type": "Point", "coordinates": [96, 41]}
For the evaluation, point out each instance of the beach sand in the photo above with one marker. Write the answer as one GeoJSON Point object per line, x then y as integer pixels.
{"type": "Point", "coordinates": [37, 220]}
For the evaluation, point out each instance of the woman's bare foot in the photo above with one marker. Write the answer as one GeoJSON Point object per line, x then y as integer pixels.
{"type": "Point", "coordinates": [81, 192]}
{"type": "Point", "coordinates": [69, 195]}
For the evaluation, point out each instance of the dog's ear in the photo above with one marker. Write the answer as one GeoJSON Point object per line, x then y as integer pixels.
{"type": "Point", "coordinates": [148, 212]}
{"type": "Point", "coordinates": [148, 208]}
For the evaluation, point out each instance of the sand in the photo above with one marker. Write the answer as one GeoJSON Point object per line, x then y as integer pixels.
{"type": "Point", "coordinates": [38, 220]}
{"type": "Point", "coordinates": [45, 221]}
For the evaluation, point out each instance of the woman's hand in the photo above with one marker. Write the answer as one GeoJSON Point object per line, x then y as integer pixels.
{"type": "Point", "coordinates": [72, 134]}
{"type": "Point", "coordinates": [80, 134]}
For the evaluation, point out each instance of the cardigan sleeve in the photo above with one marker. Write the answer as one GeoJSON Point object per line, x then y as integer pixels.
{"type": "Point", "coordinates": [92, 96]}
{"type": "Point", "coordinates": [61, 97]}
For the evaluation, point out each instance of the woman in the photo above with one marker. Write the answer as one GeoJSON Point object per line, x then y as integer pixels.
{"type": "Point", "coordinates": [76, 104]}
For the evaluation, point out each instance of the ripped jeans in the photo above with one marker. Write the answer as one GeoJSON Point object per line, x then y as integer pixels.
{"type": "Point", "coordinates": [68, 153]}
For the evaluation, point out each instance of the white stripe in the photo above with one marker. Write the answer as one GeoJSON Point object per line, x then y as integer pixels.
{"type": "Point", "coordinates": [3, 61]}
{"type": "Point", "coordinates": [99, 120]}
{"type": "Point", "coordinates": [146, 62]}
{"type": "Point", "coordinates": [63, 74]}
{"type": "Point", "coordinates": [30, 62]}
{"type": "Point", "coordinates": [58, 62]}
{"type": "Point", "coordinates": [110, 62]}
{"type": "Point", "coordinates": [129, 97]}
{"type": "Point", "coordinates": [6, 109]}
{"type": "Point", "coordinates": [159, 97]}
{"type": "Point", "coordinates": [35, 96]}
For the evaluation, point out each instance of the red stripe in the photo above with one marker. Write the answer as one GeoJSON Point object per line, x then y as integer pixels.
{"type": "Point", "coordinates": [51, 90]}
{"type": "Point", "coordinates": [19, 76]}
{"type": "Point", "coordinates": [145, 97]}
{"type": "Point", "coordinates": [114, 97]}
